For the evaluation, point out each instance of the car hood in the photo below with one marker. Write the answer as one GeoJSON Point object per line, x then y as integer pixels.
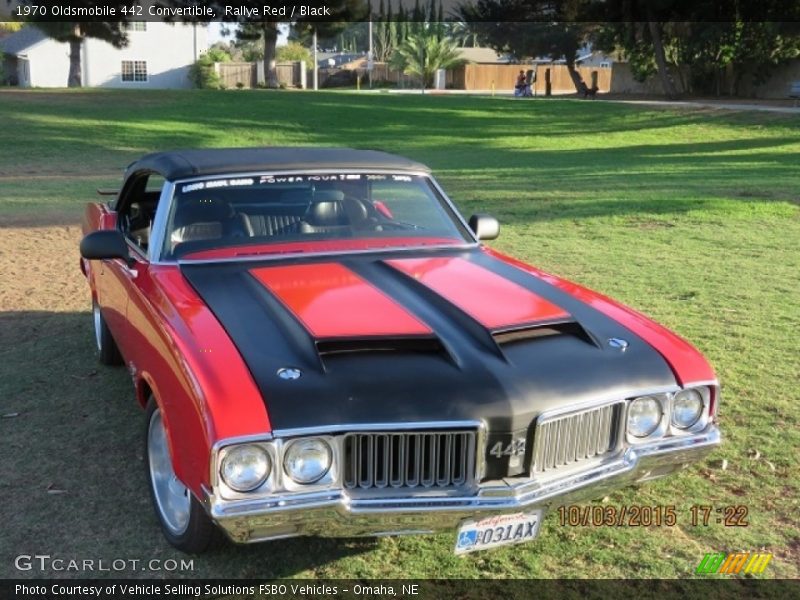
{"type": "Point", "coordinates": [444, 335]}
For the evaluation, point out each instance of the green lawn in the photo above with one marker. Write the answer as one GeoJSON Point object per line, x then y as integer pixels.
{"type": "Point", "coordinates": [690, 216]}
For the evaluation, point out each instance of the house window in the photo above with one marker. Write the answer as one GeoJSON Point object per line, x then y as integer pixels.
{"type": "Point", "coordinates": [134, 70]}
{"type": "Point", "coordinates": [136, 26]}
{"type": "Point", "coordinates": [605, 65]}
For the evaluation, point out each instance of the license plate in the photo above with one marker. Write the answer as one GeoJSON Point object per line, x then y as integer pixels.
{"type": "Point", "coordinates": [500, 530]}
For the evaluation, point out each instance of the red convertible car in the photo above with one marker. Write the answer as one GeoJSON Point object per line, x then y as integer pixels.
{"type": "Point", "coordinates": [323, 346]}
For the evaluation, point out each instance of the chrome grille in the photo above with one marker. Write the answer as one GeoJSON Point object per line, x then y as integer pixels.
{"type": "Point", "coordinates": [428, 459]}
{"type": "Point", "coordinates": [569, 439]}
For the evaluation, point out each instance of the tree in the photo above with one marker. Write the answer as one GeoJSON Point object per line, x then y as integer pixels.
{"type": "Point", "coordinates": [294, 51]}
{"type": "Point", "coordinates": [638, 28]}
{"type": "Point", "coordinates": [531, 28]}
{"type": "Point", "coordinates": [267, 30]}
{"type": "Point", "coordinates": [463, 34]}
{"type": "Point", "coordinates": [267, 33]}
{"type": "Point", "coordinates": [219, 52]}
{"type": "Point", "coordinates": [718, 42]}
{"type": "Point", "coordinates": [248, 50]}
{"type": "Point", "coordinates": [74, 33]}
{"type": "Point", "coordinates": [423, 53]}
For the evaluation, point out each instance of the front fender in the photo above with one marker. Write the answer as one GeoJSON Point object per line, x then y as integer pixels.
{"type": "Point", "coordinates": [205, 391]}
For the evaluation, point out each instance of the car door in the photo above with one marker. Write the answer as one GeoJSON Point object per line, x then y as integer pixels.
{"type": "Point", "coordinates": [121, 282]}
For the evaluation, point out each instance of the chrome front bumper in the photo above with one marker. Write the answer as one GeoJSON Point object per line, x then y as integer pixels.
{"type": "Point", "coordinates": [334, 513]}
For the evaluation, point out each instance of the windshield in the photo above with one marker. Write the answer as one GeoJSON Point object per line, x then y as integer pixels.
{"type": "Point", "coordinates": [259, 214]}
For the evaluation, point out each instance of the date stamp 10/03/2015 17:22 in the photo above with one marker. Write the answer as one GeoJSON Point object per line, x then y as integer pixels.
{"type": "Point", "coordinates": [698, 515]}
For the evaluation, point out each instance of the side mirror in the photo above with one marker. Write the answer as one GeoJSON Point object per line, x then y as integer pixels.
{"type": "Point", "coordinates": [103, 244]}
{"type": "Point", "coordinates": [486, 227]}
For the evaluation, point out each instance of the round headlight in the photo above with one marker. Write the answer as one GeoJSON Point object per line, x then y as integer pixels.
{"type": "Point", "coordinates": [246, 467]}
{"type": "Point", "coordinates": [687, 407]}
{"type": "Point", "coordinates": [307, 461]}
{"type": "Point", "coordinates": [644, 416]}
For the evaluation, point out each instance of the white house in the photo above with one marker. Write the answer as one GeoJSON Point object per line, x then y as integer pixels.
{"type": "Point", "coordinates": [158, 55]}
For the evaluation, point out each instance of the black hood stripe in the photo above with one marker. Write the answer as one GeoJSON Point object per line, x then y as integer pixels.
{"type": "Point", "coordinates": [506, 387]}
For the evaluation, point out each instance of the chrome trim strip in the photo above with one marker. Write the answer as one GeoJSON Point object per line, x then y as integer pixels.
{"type": "Point", "coordinates": [453, 209]}
{"type": "Point", "coordinates": [155, 244]}
{"type": "Point", "coordinates": [710, 382]}
{"type": "Point", "coordinates": [480, 448]}
{"type": "Point", "coordinates": [377, 427]}
{"type": "Point", "coordinates": [582, 406]}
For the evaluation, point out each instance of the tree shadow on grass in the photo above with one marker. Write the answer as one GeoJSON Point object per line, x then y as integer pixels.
{"type": "Point", "coordinates": [478, 146]}
{"type": "Point", "coordinates": [125, 124]}
{"type": "Point", "coordinates": [72, 478]}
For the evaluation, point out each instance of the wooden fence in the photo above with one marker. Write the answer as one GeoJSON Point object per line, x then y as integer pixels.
{"type": "Point", "coordinates": [504, 77]}
{"type": "Point", "coordinates": [250, 74]}
{"type": "Point", "coordinates": [483, 77]}
{"type": "Point", "coordinates": [237, 74]}
{"type": "Point", "coordinates": [468, 77]}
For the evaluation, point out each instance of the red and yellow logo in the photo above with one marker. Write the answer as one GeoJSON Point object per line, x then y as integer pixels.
{"type": "Point", "coordinates": [733, 564]}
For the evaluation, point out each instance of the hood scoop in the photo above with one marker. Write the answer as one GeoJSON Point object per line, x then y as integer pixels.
{"type": "Point", "coordinates": [543, 330]}
{"type": "Point", "coordinates": [339, 347]}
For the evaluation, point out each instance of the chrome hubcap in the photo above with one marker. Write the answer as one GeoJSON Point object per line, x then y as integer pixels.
{"type": "Point", "coordinates": [172, 497]}
{"type": "Point", "coordinates": [97, 326]}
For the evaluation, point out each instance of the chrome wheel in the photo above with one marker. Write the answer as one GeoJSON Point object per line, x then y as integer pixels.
{"type": "Point", "coordinates": [98, 326]}
{"type": "Point", "coordinates": [172, 498]}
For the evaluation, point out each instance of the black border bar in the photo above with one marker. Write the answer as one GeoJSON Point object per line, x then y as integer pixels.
{"type": "Point", "coordinates": [419, 589]}
{"type": "Point", "coordinates": [586, 11]}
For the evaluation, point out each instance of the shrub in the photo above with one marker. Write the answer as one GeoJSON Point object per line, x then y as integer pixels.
{"type": "Point", "coordinates": [202, 74]}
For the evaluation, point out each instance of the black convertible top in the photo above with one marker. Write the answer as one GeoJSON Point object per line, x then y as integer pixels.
{"type": "Point", "coordinates": [179, 164]}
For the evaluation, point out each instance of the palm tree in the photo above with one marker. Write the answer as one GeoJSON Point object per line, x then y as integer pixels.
{"type": "Point", "coordinates": [463, 34]}
{"type": "Point", "coordinates": [425, 52]}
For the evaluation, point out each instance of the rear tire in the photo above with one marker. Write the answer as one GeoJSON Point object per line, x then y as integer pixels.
{"type": "Point", "coordinates": [107, 350]}
{"type": "Point", "coordinates": [183, 519]}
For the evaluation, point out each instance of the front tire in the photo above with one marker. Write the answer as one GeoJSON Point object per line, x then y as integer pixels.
{"type": "Point", "coordinates": [107, 350]}
{"type": "Point", "coordinates": [183, 520]}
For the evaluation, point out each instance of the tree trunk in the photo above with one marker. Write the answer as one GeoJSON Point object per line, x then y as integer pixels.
{"type": "Point", "coordinates": [575, 76]}
{"type": "Point", "coordinates": [270, 42]}
{"type": "Point", "coordinates": [74, 79]}
{"type": "Point", "coordinates": [661, 60]}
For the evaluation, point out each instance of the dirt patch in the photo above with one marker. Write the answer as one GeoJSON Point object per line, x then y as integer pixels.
{"type": "Point", "coordinates": [39, 270]}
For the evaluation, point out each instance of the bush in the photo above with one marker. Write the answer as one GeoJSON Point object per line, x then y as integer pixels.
{"type": "Point", "coordinates": [293, 51]}
{"type": "Point", "coordinates": [217, 54]}
{"type": "Point", "coordinates": [2, 69]}
{"type": "Point", "coordinates": [202, 74]}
